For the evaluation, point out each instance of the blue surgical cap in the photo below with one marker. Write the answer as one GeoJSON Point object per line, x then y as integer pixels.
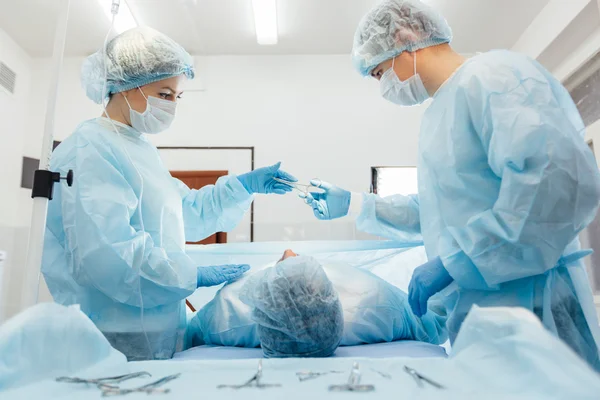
{"type": "Point", "coordinates": [296, 309]}
{"type": "Point", "coordinates": [395, 26]}
{"type": "Point", "coordinates": [135, 58]}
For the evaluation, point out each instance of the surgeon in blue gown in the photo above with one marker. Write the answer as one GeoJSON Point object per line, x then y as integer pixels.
{"type": "Point", "coordinates": [506, 181]}
{"type": "Point", "coordinates": [115, 241]}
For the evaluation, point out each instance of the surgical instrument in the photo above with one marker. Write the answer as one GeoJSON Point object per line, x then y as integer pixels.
{"type": "Point", "coordinates": [252, 382]}
{"type": "Point", "coordinates": [353, 384]}
{"type": "Point", "coordinates": [149, 388]}
{"type": "Point", "coordinates": [299, 186]}
{"type": "Point", "coordinates": [420, 378]}
{"type": "Point", "coordinates": [382, 374]}
{"type": "Point", "coordinates": [104, 381]}
{"type": "Point", "coordinates": [308, 375]}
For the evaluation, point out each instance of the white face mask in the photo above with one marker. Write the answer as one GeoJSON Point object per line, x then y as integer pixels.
{"type": "Point", "coordinates": [157, 117]}
{"type": "Point", "coordinates": [410, 92]}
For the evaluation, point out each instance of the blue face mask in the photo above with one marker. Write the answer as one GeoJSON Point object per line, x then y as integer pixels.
{"type": "Point", "coordinates": [157, 117]}
{"type": "Point", "coordinates": [410, 92]}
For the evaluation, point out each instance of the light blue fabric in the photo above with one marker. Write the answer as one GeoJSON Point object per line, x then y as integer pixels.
{"type": "Point", "coordinates": [212, 276]}
{"type": "Point", "coordinates": [506, 182]}
{"type": "Point", "coordinates": [508, 356]}
{"type": "Point", "coordinates": [49, 340]}
{"type": "Point", "coordinates": [402, 348]}
{"type": "Point", "coordinates": [393, 27]}
{"type": "Point", "coordinates": [374, 310]}
{"type": "Point", "coordinates": [261, 180]}
{"type": "Point", "coordinates": [296, 308]}
{"type": "Point", "coordinates": [427, 280]}
{"type": "Point", "coordinates": [136, 57]}
{"type": "Point", "coordinates": [115, 241]}
{"type": "Point", "coordinates": [333, 203]}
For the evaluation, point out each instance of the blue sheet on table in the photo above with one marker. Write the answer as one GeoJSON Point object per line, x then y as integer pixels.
{"type": "Point", "coordinates": [405, 348]}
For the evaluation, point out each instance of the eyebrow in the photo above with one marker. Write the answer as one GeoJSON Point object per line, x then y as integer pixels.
{"type": "Point", "coordinates": [171, 89]}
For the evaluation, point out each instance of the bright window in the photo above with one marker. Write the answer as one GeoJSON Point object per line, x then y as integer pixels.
{"type": "Point", "coordinates": [387, 181]}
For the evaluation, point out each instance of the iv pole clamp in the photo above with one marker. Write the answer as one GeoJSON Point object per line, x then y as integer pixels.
{"type": "Point", "coordinates": [44, 180]}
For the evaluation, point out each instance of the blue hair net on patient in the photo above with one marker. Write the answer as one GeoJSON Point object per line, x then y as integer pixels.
{"type": "Point", "coordinates": [393, 27]}
{"type": "Point", "coordinates": [296, 308]}
{"type": "Point", "coordinates": [135, 58]}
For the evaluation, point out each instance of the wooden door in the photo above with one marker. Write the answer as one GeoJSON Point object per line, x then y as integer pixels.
{"type": "Point", "coordinates": [197, 180]}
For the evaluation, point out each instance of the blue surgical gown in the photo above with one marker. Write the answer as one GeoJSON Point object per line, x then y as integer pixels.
{"type": "Point", "coordinates": [115, 241]}
{"type": "Point", "coordinates": [506, 183]}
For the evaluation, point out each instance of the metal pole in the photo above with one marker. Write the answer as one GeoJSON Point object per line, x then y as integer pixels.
{"type": "Point", "coordinates": [40, 204]}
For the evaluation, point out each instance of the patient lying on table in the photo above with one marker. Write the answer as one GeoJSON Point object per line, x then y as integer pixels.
{"type": "Point", "coordinates": [300, 308]}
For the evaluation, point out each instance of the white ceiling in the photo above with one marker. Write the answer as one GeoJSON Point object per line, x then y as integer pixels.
{"type": "Point", "coordinates": [227, 27]}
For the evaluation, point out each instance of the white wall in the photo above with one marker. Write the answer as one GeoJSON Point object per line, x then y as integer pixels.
{"type": "Point", "coordinates": [314, 113]}
{"type": "Point", "coordinates": [14, 110]}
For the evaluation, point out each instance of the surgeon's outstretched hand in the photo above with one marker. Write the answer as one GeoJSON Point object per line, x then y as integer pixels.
{"type": "Point", "coordinates": [333, 203]}
{"type": "Point", "coordinates": [212, 276]}
{"type": "Point", "coordinates": [261, 180]}
{"type": "Point", "coordinates": [427, 280]}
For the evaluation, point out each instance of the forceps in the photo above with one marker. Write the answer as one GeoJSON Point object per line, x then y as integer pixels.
{"type": "Point", "coordinates": [150, 388]}
{"type": "Point", "coordinates": [353, 384]}
{"type": "Point", "coordinates": [104, 382]}
{"type": "Point", "coordinates": [420, 378]}
{"type": "Point", "coordinates": [252, 382]}
{"type": "Point", "coordinates": [302, 188]}
{"type": "Point", "coordinates": [308, 375]}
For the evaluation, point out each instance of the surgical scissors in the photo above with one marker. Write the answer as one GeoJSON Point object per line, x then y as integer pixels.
{"type": "Point", "coordinates": [299, 186]}
{"type": "Point", "coordinates": [149, 388]}
{"type": "Point", "coordinates": [105, 382]}
{"type": "Point", "coordinates": [252, 382]}
{"type": "Point", "coordinates": [420, 378]}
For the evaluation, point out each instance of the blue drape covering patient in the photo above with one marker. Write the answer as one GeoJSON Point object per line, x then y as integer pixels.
{"type": "Point", "coordinates": [302, 308]}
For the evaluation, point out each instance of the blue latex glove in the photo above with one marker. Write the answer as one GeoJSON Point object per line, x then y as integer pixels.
{"type": "Point", "coordinates": [261, 180]}
{"type": "Point", "coordinates": [427, 280]}
{"type": "Point", "coordinates": [333, 203]}
{"type": "Point", "coordinates": [212, 276]}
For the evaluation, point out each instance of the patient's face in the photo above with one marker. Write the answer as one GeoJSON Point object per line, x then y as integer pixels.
{"type": "Point", "coordinates": [287, 254]}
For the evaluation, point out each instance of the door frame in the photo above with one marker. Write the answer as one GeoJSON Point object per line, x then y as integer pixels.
{"type": "Point", "coordinates": [250, 149]}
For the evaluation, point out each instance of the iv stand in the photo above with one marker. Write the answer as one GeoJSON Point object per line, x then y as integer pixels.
{"type": "Point", "coordinates": [44, 180]}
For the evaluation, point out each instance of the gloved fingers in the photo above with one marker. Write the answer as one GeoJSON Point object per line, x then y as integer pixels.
{"type": "Point", "coordinates": [283, 187]}
{"type": "Point", "coordinates": [319, 210]}
{"type": "Point", "coordinates": [321, 185]}
{"type": "Point", "coordinates": [318, 213]}
{"type": "Point", "coordinates": [423, 299]}
{"type": "Point", "coordinates": [308, 198]}
{"type": "Point", "coordinates": [216, 275]}
{"type": "Point", "coordinates": [320, 197]}
{"type": "Point", "coordinates": [232, 271]}
{"type": "Point", "coordinates": [320, 206]}
{"type": "Point", "coordinates": [243, 267]}
{"type": "Point", "coordinates": [275, 167]}
{"type": "Point", "coordinates": [285, 176]}
{"type": "Point", "coordinates": [413, 298]}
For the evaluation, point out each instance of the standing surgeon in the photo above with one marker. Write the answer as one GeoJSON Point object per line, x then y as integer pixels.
{"type": "Point", "coordinates": [506, 180]}
{"type": "Point", "coordinates": [115, 241]}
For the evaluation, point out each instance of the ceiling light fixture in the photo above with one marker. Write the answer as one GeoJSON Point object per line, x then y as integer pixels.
{"type": "Point", "coordinates": [124, 20]}
{"type": "Point", "coordinates": [265, 21]}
